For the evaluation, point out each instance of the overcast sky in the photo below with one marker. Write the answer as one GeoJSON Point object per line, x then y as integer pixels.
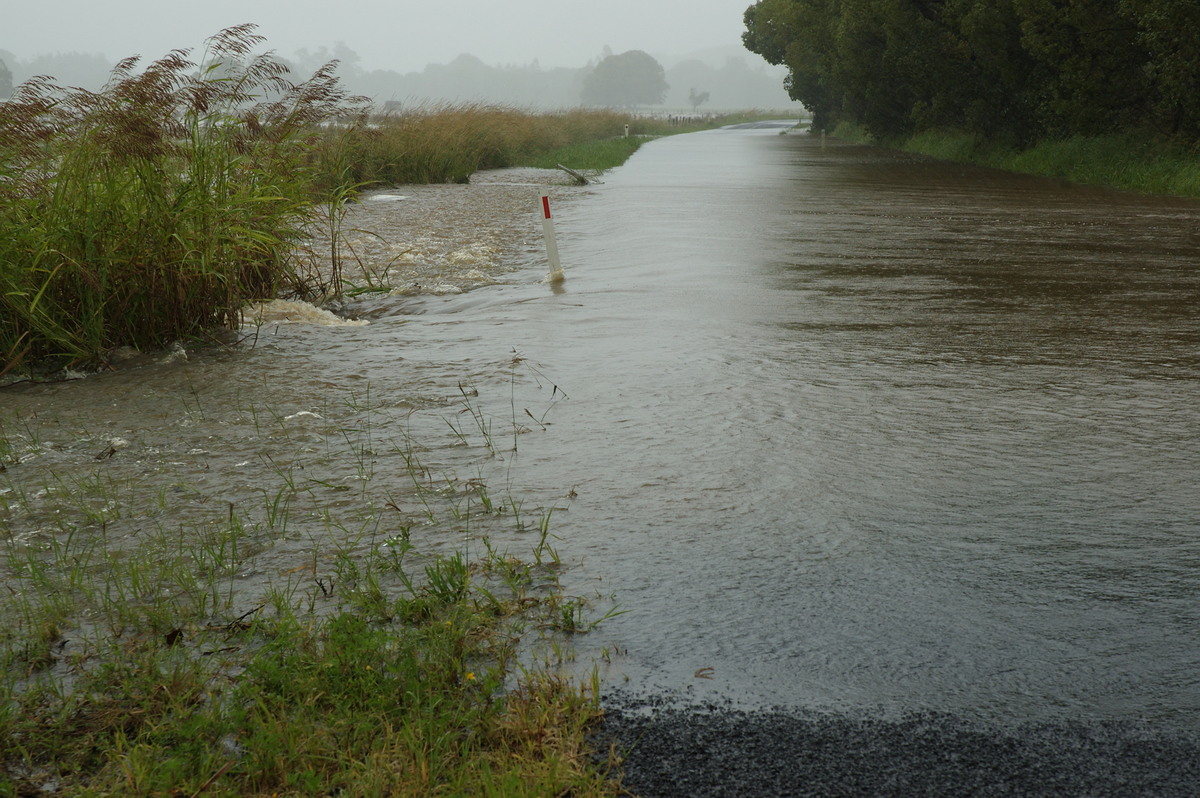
{"type": "Point", "coordinates": [403, 35]}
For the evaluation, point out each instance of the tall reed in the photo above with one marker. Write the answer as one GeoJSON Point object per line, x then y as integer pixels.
{"type": "Point", "coordinates": [153, 209]}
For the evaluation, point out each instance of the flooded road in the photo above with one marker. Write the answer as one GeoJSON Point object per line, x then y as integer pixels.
{"type": "Point", "coordinates": [862, 430]}
{"type": "Point", "coordinates": [838, 428]}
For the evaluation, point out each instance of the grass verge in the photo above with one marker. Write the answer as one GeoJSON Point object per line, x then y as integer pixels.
{"type": "Point", "coordinates": [590, 155]}
{"type": "Point", "coordinates": [1130, 161]}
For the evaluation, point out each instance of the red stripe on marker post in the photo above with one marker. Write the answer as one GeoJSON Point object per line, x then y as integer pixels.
{"type": "Point", "coordinates": [545, 207]}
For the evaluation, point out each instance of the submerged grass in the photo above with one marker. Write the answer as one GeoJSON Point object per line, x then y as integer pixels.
{"type": "Point", "coordinates": [141, 658]}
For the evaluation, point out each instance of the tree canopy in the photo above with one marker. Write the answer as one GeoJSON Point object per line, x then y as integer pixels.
{"type": "Point", "coordinates": [625, 80]}
{"type": "Point", "coordinates": [1016, 70]}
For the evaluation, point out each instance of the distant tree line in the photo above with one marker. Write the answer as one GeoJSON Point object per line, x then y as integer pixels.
{"type": "Point", "coordinates": [625, 79]}
{"type": "Point", "coordinates": [1010, 70]}
{"type": "Point", "coordinates": [735, 84]}
{"type": "Point", "coordinates": [85, 70]}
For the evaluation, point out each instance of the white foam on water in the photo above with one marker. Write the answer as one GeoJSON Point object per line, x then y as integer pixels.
{"type": "Point", "coordinates": [477, 253]}
{"type": "Point", "coordinates": [283, 310]}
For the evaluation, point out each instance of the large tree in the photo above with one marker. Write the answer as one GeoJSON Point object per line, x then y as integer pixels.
{"type": "Point", "coordinates": [799, 34]}
{"type": "Point", "coordinates": [1092, 65]}
{"type": "Point", "coordinates": [1169, 33]}
{"type": "Point", "coordinates": [1009, 70]}
{"type": "Point", "coordinates": [625, 80]}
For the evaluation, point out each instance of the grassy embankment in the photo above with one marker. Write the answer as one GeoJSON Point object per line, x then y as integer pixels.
{"type": "Point", "coordinates": [153, 210]}
{"type": "Point", "coordinates": [1130, 161]}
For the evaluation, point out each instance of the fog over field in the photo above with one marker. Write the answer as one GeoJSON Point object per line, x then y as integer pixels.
{"type": "Point", "coordinates": [387, 38]}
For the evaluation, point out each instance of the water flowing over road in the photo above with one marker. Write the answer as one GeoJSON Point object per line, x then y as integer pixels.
{"type": "Point", "coordinates": [840, 429]}
{"type": "Point", "coordinates": [854, 428]}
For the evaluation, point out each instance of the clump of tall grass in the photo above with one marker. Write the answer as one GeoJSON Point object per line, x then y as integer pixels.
{"type": "Point", "coordinates": [153, 209]}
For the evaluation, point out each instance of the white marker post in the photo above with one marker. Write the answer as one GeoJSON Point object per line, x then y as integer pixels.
{"type": "Point", "coordinates": [556, 272]}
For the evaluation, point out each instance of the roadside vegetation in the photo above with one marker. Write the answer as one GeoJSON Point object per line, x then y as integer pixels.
{"type": "Point", "coordinates": [152, 210]}
{"type": "Point", "coordinates": [350, 631]}
{"type": "Point", "coordinates": [1121, 160]}
{"type": "Point", "coordinates": [1092, 91]}
{"type": "Point", "coordinates": [155, 209]}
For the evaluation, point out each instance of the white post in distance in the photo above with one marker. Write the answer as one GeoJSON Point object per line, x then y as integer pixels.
{"type": "Point", "coordinates": [556, 272]}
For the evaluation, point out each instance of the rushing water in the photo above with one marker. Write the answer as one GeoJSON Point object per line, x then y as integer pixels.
{"type": "Point", "coordinates": [852, 429]}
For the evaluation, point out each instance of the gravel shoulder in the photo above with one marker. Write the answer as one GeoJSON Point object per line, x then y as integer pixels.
{"type": "Point", "coordinates": [675, 750]}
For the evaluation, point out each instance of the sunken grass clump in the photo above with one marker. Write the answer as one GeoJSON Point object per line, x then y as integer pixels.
{"type": "Point", "coordinates": [154, 209]}
{"type": "Point", "coordinates": [338, 687]}
{"type": "Point", "coordinates": [369, 634]}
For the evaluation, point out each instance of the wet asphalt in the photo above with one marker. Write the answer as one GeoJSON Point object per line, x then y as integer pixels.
{"type": "Point", "coordinates": [674, 750]}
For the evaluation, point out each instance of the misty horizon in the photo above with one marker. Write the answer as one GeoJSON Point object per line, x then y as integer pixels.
{"type": "Point", "coordinates": [339, 50]}
{"type": "Point", "coordinates": [398, 35]}
{"type": "Point", "coordinates": [729, 75]}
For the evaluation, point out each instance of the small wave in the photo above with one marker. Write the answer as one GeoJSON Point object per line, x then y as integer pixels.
{"type": "Point", "coordinates": [281, 310]}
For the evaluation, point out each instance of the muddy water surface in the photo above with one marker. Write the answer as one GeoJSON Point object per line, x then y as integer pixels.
{"type": "Point", "coordinates": [839, 428]}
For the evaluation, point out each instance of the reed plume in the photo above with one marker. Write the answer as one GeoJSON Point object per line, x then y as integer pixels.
{"type": "Point", "coordinates": [154, 209]}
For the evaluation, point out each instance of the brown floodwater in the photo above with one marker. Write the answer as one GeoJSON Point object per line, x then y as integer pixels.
{"type": "Point", "coordinates": [850, 428]}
